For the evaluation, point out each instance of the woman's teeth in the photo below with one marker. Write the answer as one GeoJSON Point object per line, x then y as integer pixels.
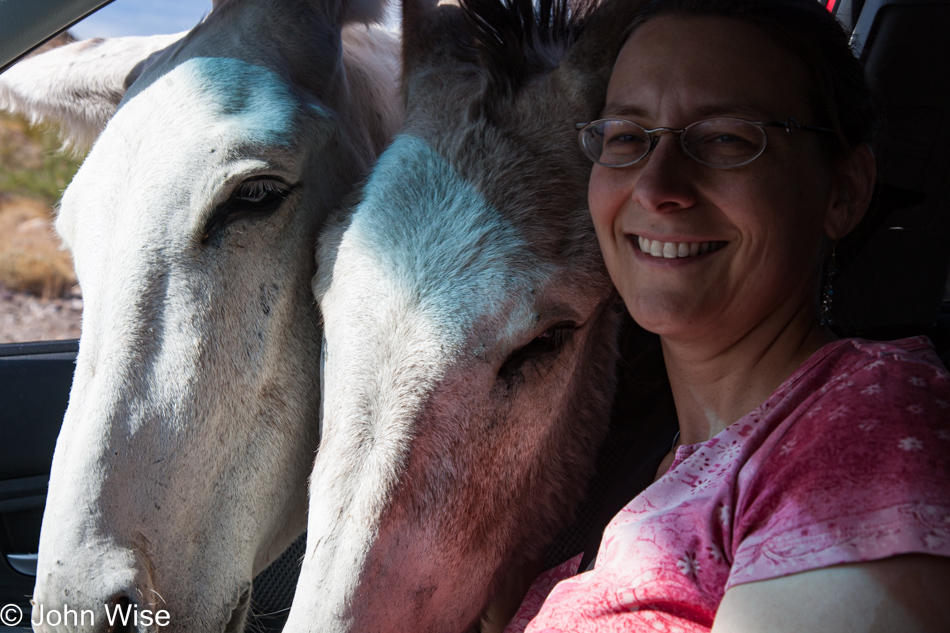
{"type": "Point", "coordinates": [672, 250]}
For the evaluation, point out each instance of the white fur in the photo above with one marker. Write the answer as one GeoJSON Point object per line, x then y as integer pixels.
{"type": "Point", "coordinates": [181, 468]}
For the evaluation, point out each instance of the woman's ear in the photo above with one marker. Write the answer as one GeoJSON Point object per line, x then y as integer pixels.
{"type": "Point", "coordinates": [853, 187]}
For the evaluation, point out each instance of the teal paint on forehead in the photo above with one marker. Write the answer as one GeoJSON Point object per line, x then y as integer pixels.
{"type": "Point", "coordinates": [252, 99]}
{"type": "Point", "coordinates": [434, 232]}
{"type": "Point", "coordinates": [414, 191]}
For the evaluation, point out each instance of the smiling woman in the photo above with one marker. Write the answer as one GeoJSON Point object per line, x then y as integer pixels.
{"type": "Point", "coordinates": [760, 217]}
{"type": "Point", "coordinates": [808, 487]}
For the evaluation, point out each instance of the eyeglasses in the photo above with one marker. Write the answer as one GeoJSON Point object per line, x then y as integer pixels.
{"type": "Point", "coordinates": [721, 143]}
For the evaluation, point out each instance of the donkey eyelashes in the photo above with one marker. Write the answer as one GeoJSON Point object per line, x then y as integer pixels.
{"type": "Point", "coordinates": [259, 191]}
{"type": "Point", "coordinates": [254, 197]}
{"type": "Point", "coordinates": [547, 344]}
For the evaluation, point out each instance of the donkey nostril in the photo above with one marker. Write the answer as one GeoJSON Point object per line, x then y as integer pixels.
{"type": "Point", "coordinates": [122, 611]}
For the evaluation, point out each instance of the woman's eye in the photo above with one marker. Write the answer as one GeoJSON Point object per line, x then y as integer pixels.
{"type": "Point", "coordinates": [626, 139]}
{"type": "Point", "coordinates": [725, 138]}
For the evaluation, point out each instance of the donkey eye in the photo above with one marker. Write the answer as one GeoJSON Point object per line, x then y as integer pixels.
{"type": "Point", "coordinates": [255, 197]}
{"type": "Point", "coordinates": [259, 194]}
{"type": "Point", "coordinates": [549, 341]}
{"type": "Point", "coordinates": [546, 344]}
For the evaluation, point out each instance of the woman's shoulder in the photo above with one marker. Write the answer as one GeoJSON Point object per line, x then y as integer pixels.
{"type": "Point", "coordinates": [865, 449]}
{"type": "Point", "coordinates": [867, 374]}
{"type": "Point", "coordinates": [913, 349]}
{"type": "Point", "coordinates": [859, 391]}
{"type": "Point", "coordinates": [856, 353]}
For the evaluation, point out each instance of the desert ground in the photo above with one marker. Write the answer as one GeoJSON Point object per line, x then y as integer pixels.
{"type": "Point", "coordinates": [39, 297]}
{"type": "Point", "coordinates": [25, 317]}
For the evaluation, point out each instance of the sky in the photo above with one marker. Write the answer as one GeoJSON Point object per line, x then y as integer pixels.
{"type": "Point", "coordinates": [147, 17]}
{"type": "Point", "coordinates": [142, 17]}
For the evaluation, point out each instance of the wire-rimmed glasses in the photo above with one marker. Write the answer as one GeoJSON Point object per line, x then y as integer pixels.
{"type": "Point", "coordinates": [722, 143]}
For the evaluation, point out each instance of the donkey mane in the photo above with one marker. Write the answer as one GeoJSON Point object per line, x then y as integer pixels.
{"type": "Point", "coordinates": [521, 39]}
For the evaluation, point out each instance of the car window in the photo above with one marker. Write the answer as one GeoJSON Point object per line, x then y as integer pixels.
{"type": "Point", "coordinates": [40, 299]}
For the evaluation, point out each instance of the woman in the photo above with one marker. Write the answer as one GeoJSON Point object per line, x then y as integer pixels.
{"type": "Point", "coordinates": [809, 487]}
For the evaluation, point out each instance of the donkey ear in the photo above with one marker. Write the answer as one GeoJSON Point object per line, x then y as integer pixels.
{"type": "Point", "coordinates": [78, 86]}
{"type": "Point", "coordinates": [585, 70]}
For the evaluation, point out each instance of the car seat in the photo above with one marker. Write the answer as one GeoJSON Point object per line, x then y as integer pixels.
{"type": "Point", "coordinates": [892, 273]}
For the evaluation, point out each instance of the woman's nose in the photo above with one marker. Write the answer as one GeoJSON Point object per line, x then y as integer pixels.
{"type": "Point", "coordinates": [664, 180]}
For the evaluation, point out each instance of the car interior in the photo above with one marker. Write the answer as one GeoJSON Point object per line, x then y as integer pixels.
{"type": "Point", "coordinates": [892, 277]}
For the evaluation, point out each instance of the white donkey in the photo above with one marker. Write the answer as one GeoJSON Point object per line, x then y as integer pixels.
{"type": "Point", "coordinates": [193, 420]}
{"type": "Point", "coordinates": [471, 327]}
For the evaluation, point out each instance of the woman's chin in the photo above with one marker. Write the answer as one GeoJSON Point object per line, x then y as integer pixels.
{"type": "Point", "coordinates": [663, 312]}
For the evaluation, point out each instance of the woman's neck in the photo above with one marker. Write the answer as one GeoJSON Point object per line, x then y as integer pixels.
{"type": "Point", "coordinates": [715, 383]}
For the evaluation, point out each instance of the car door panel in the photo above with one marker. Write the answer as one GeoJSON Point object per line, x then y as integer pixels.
{"type": "Point", "coordinates": [34, 390]}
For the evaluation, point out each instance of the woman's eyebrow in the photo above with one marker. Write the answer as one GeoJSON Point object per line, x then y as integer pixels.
{"type": "Point", "coordinates": [624, 110]}
{"type": "Point", "coordinates": [743, 110]}
{"type": "Point", "coordinates": [737, 109]}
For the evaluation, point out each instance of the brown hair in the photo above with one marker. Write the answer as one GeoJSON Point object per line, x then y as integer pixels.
{"type": "Point", "coordinates": [840, 91]}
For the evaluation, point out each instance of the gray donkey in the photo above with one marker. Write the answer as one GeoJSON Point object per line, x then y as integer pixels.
{"type": "Point", "coordinates": [470, 349]}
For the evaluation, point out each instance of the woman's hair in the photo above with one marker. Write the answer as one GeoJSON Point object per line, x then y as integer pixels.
{"type": "Point", "coordinates": [839, 89]}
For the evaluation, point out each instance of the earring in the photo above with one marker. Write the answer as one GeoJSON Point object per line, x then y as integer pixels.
{"type": "Point", "coordinates": [828, 291]}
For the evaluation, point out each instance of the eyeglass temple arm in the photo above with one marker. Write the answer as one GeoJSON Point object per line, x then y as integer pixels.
{"type": "Point", "coordinates": [791, 125]}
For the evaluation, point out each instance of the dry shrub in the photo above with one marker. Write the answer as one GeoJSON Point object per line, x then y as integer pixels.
{"type": "Point", "coordinates": [31, 163]}
{"type": "Point", "coordinates": [31, 257]}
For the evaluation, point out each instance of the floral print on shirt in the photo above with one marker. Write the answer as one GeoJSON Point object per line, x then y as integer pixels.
{"type": "Point", "coordinates": [846, 462]}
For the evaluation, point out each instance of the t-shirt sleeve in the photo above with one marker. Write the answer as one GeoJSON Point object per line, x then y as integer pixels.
{"type": "Point", "coordinates": [861, 473]}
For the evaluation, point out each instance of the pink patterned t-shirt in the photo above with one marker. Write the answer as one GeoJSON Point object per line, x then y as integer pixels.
{"type": "Point", "coordinates": [848, 461]}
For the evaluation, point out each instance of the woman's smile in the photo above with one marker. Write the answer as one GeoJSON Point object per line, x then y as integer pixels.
{"type": "Point", "coordinates": [675, 249]}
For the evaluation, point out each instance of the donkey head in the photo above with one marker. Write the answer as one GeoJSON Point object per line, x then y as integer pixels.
{"type": "Point", "coordinates": [469, 324]}
{"type": "Point", "coordinates": [182, 464]}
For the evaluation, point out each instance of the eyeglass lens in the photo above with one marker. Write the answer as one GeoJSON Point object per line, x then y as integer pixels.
{"type": "Point", "coordinates": [724, 142]}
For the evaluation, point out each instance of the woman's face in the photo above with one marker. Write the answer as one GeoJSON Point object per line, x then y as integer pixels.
{"type": "Point", "coordinates": [762, 222]}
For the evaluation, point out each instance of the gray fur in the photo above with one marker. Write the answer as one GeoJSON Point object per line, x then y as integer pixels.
{"type": "Point", "coordinates": [445, 464]}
